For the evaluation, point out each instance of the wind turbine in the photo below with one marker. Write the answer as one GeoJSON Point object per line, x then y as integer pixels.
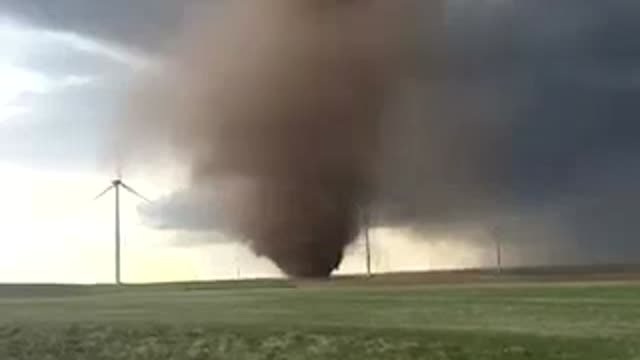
{"type": "Point", "coordinates": [116, 185]}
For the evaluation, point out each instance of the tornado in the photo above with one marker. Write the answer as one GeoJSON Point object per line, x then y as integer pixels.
{"type": "Point", "coordinates": [282, 102]}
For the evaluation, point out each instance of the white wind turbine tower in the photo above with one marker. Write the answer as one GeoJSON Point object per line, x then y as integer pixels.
{"type": "Point", "coordinates": [116, 185]}
{"type": "Point", "coordinates": [365, 218]}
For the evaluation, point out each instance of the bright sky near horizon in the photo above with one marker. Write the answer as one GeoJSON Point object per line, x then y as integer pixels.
{"type": "Point", "coordinates": [54, 232]}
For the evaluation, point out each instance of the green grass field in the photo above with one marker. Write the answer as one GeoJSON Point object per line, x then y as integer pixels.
{"type": "Point", "coordinates": [348, 320]}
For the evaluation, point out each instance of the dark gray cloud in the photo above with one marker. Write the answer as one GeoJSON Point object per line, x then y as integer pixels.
{"type": "Point", "coordinates": [180, 211]}
{"type": "Point", "coordinates": [148, 25]}
{"type": "Point", "coordinates": [573, 144]}
{"type": "Point", "coordinates": [95, 40]}
{"type": "Point", "coordinates": [64, 130]}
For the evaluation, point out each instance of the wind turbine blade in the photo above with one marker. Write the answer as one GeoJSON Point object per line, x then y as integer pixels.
{"type": "Point", "coordinates": [129, 189]}
{"type": "Point", "coordinates": [103, 193]}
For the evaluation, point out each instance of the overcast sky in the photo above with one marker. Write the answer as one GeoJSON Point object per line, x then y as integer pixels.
{"type": "Point", "coordinates": [66, 65]}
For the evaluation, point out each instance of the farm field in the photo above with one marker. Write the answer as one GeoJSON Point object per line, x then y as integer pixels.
{"type": "Point", "coordinates": [381, 318]}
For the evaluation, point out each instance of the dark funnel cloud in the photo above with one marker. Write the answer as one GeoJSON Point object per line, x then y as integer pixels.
{"type": "Point", "coordinates": [518, 119]}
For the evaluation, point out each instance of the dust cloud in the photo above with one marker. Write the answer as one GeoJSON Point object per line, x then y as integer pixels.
{"type": "Point", "coordinates": [282, 102]}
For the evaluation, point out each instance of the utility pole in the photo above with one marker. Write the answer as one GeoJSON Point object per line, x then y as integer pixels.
{"type": "Point", "coordinates": [498, 248]}
{"type": "Point", "coordinates": [116, 186]}
{"type": "Point", "coordinates": [499, 255]}
{"type": "Point", "coordinates": [367, 242]}
{"type": "Point", "coordinates": [237, 261]}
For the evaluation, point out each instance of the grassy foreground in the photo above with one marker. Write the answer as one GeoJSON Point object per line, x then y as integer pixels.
{"type": "Point", "coordinates": [582, 321]}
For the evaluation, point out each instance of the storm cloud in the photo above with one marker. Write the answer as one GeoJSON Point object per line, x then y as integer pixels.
{"type": "Point", "coordinates": [531, 121]}
{"type": "Point", "coordinates": [526, 130]}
